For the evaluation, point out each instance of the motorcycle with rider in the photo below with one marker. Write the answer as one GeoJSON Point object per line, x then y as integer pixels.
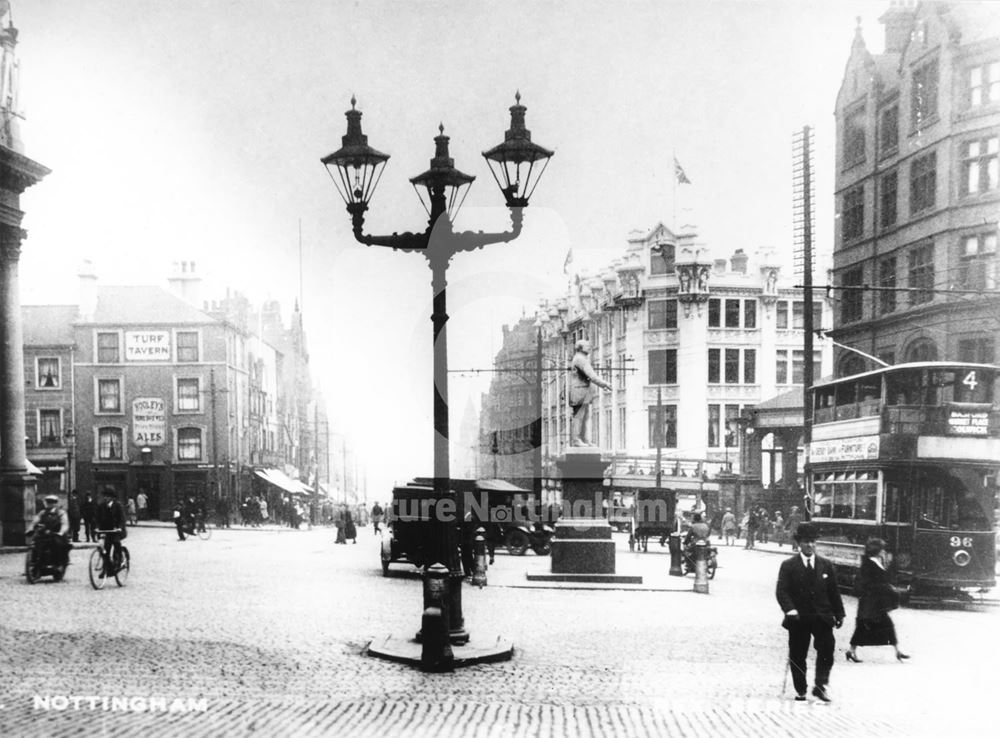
{"type": "Point", "coordinates": [48, 554]}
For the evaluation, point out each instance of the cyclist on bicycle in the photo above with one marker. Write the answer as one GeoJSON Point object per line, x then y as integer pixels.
{"type": "Point", "coordinates": [699, 531]}
{"type": "Point", "coordinates": [111, 517]}
{"type": "Point", "coordinates": [54, 519]}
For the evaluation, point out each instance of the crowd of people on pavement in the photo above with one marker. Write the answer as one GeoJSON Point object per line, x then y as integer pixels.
{"type": "Point", "coordinates": [757, 525]}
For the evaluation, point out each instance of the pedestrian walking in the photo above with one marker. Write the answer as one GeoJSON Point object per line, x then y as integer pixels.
{"type": "Point", "coordinates": [142, 505]}
{"type": "Point", "coordinates": [779, 528]}
{"type": "Point", "coordinates": [88, 511]}
{"type": "Point", "coordinates": [339, 521]}
{"type": "Point", "coordinates": [876, 599]}
{"type": "Point", "coordinates": [73, 511]}
{"type": "Point", "coordinates": [729, 526]}
{"type": "Point", "coordinates": [130, 511]}
{"type": "Point", "coordinates": [763, 525]}
{"type": "Point", "coordinates": [792, 526]}
{"type": "Point", "coordinates": [350, 530]}
{"type": "Point", "coordinates": [377, 514]}
{"type": "Point", "coordinates": [751, 527]}
{"type": "Point", "coordinates": [262, 505]}
{"type": "Point", "coordinates": [810, 599]}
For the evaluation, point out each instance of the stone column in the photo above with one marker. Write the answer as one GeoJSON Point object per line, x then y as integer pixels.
{"type": "Point", "coordinates": [17, 486]}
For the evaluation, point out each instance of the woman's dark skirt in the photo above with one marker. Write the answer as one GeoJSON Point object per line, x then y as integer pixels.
{"type": "Point", "coordinates": [877, 632]}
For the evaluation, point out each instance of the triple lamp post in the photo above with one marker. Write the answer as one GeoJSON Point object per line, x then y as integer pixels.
{"type": "Point", "coordinates": [516, 164]}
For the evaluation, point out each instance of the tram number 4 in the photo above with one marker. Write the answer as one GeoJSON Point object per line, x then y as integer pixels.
{"type": "Point", "coordinates": [970, 381]}
{"type": "Point", "coordinates": [957, 541]}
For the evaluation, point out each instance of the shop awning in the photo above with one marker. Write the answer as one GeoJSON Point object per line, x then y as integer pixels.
{"type": "Point", "coordinates": [281, 480]}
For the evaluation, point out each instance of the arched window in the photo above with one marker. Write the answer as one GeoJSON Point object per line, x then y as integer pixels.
{"type": "Point", "coordinates": [923, 349]}
{"type": "Point", "coordinates": [851, 364]}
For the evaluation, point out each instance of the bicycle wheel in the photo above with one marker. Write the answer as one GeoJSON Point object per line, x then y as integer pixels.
{"type": "Point", "coordinates": [205, 532]}
{"type": "Point", "coordinates": [96, 569]}
{"type": "Point", "coordinates": [31, 572]}
{"type": "Point", "coordinates": [121, 574]}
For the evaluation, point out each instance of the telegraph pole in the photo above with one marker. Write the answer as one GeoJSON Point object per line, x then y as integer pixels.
{"type": "Point", "coordinates": [215, 438]}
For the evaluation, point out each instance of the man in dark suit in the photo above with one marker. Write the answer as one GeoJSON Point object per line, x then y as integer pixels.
{"type": "Point", "coordinates": [808, 594]}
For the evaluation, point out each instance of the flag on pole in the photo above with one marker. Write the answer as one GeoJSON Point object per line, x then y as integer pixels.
{"type": "Point", "coordinates": [679, 172]}
{"type": "Point", "coordinates": [568, 261]}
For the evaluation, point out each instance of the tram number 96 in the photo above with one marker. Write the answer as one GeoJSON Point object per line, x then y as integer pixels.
{"type": "Point", "coordinates": [957, 541]}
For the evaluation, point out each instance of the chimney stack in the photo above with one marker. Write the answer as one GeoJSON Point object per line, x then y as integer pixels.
{"type": "Point", "coordinates": [898, 22]}
{"type": "Point", "coordinates": [738, 262]}
{"type": "Point", "coordinates": [87, 296]}
{"type": "Point", "coordinates": [185, 283]}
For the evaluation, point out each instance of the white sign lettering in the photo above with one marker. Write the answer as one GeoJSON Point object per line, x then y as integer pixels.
{"type": "Point", "coordinates": [965, 423]}
{"type": "Point", "coordinates": [147, 345]}
{"type": "Point", "coordinates": [862, 448]}
{"type": "Point", "coordinates": [149, 421]}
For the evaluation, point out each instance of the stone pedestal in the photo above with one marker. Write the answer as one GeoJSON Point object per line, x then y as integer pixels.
{"type": "Point", "coordinates": [17, 506]}
{"type": "Point", "coordinates": [583, 549]}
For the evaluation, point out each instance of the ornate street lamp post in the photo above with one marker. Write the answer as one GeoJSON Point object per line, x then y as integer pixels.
{"type": "Point", "coordinates": [516, 164]}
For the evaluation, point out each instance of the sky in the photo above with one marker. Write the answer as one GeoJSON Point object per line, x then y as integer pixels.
{"type": "Point", "coordinates": [193, 130]}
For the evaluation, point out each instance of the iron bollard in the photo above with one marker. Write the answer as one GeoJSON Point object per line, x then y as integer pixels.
{"type": "Point", "coordinates": [479, 570]}
{"type": "Point", "coordinates": [701, 567]}
{"type": "Point", "coordinates": [436, 653]}
{"type": "Point", "coordinates": [675, 555]}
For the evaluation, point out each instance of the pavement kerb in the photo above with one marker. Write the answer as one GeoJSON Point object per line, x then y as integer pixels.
{"type": "Point", "coordinates": [170, 526]}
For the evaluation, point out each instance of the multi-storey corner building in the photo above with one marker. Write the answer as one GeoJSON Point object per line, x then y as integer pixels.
{"type": "Point", "coordinates": [687, 341]}
{"type": "Point", "coordinates": [143, 391]}
{"type": "Point", "coordinates": [917, 197]}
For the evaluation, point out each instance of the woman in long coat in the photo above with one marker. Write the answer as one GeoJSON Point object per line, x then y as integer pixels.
{"type": "Point", "coordinates": [876, 598]}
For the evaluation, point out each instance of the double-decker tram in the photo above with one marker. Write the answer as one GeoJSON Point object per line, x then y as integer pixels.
{"type": "Point", "coordinates": [910, 454]}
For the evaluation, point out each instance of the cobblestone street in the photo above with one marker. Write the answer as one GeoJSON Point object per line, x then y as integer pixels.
{"type": "Point", "coordinates": [267, 629]}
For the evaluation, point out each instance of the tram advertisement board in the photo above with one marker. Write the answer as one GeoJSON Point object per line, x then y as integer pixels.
{"type": "Point", "coordinates": [859, 448]}
{"type": "Point", "coordinates": [968, 422]}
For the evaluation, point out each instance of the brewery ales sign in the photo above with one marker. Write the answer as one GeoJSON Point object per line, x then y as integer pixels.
{"type": "Point", "coordinates": [149, 421]}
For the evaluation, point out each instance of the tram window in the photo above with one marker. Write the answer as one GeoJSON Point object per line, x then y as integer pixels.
{"type": "Point", "coordinates": [974, 385]}
{"type": "Point", "coordinates": [865, 500]}
{"type": "Point", "coordinates": [898, 504]}
{"type": "Point", "coordinates": [869, 395]}
{"type": "Point", "coordinates": [843, 500]}
{"type": "Point", "coordinates": [823, 500]}
{"type": "Point", "coordinates": [902, 388]}
{"type": "Point", "coordinates": [846, 393]}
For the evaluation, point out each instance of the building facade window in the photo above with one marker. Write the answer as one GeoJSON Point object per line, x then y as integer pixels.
{"type": "Point", "coordinates": [732, 313]}
{"type": "Point", "coordinates": [732, 366]}
{"type": "Point", "coordinates": [851, 300]}
{"type": "Point", "coordinates": [109, 395]}
{"type": "Point", "coordinates": [108, 348]}
{"type": "Point", "coordinates": [853, 213]}
{"type": "Point", "coordinates": [187, 346]}
{"type": "Point", "coordinates": [921, 274]}
{"type": "Point", "coordinates": [888, 196]}
{"type": "Point", "coordinates": [977, 261]}
{"type": "Point", "coordinates": [662, 314]}
{"type": "Point", "coordinates": [714, 421]}
{"type": "Point", "coordinates": [662, 426]}
{"type": "Point", "coordinates": [661, 259]}
{"type": "Point", "coordinates": [790, 366]}
{"type": "Point", "coordinates": [888, 131]}
{"type": "Point", "coordinates": [924, 94]}
{"type": "Point", "coordinates": [663, 366]}
{"type": "Point", "coordinates": [979, 165]}
{"type": "Point", "coordinates": [923, 183]}
{"type": "Point", "coordinates": [887, 283]}
{"type": "Point", "coordinates": [109, 444]}
{"type": "Point", "coordinates": [923, 349]}
{"type": "Point", "coordinates": [189, 444]}
{"type": "Point", "coordinates": [979, 350]}
{"type": "Point", "coordinates": [49, 426]}
{"type": "Point", "coordinates": [749, 313]}
{"type": "Point", "coordinates": [854, 136]}
{"type": "Point", "coordinates": [714, 313]}
{"type": "Point", "coordinates": [984, 84]}
{"type": "Point", "coordinates": [47, 374]}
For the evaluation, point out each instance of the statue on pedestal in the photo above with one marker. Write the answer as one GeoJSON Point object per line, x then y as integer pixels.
{"type": "Point", "coordinates": [582, 393]}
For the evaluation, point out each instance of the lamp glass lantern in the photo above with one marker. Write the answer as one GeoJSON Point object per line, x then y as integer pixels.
{"type": "Point", "coordinates": [517, 164]}
{"type": "Point", "coordinates": [442, 188]}
{"type": "Point", "coordinates": [355, 167]}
